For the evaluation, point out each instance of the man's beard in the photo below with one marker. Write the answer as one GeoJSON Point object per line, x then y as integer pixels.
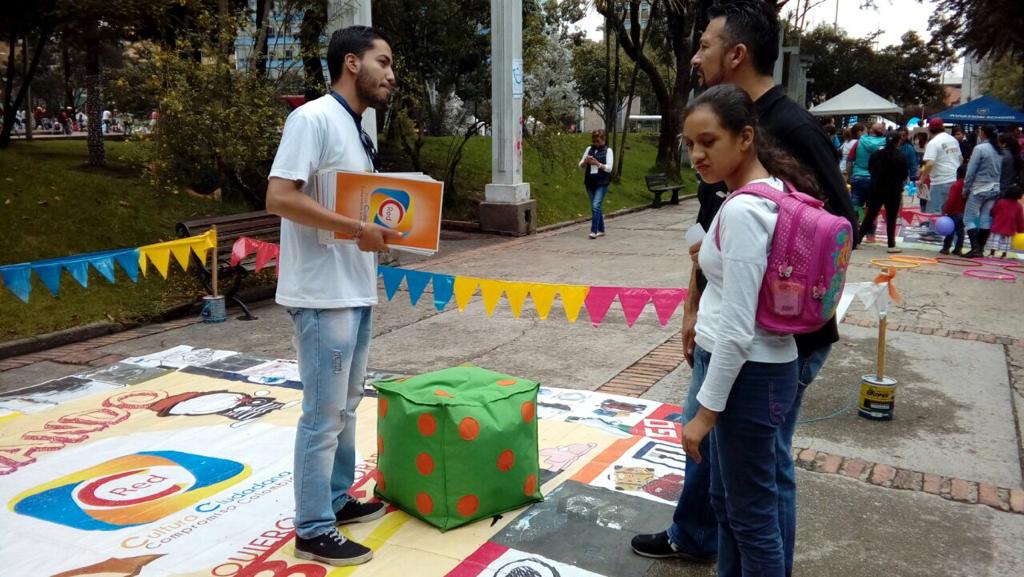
{"type": "Point", "coordinates": [368, 91]}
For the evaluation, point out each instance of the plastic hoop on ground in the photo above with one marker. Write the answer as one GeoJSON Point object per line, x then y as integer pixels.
{"type": "Point", "coordinates": [914, 259]}
{"type": "Point", "coordinates": [1016, 268]}
{"type": "Point", "coordinates": [956, 261]}
{"type": "Point", "coordinates": [890, 263]}
{"type": "Point", "coordinates": [999, 262]}
{"type": "Point", "coordinates": [989, 274]}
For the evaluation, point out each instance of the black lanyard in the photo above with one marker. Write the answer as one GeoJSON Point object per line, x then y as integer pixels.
{"type": "Point", "coordinates": [368, 147]}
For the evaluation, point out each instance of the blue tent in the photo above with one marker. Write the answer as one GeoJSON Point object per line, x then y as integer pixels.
{"type": "Point", "coordinates": [984, 110]}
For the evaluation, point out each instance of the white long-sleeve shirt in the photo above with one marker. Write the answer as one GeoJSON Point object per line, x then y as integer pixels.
{"type": "Point", "coordinates": [726, 325]}
{"type": "Point", "coordinates": [609, 161]}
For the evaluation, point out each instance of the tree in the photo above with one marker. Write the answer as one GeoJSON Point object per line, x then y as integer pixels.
{"type": "Point", "coordinates": [1003, 78]}
{"type": "Point", "coordinates": [31, 26]}
{"type": "Point", "coordinates": [986, 28]}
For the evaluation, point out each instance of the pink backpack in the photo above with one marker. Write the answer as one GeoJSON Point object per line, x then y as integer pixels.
{"type": "Point", "coordinates": [807, 264]}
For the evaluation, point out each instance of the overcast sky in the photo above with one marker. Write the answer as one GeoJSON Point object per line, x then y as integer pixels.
{"type": "Point", "coordinates": [894, 17]}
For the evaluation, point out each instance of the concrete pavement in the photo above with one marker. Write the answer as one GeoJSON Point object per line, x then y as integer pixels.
{"type": "Point", "coordinates": [956, 347]}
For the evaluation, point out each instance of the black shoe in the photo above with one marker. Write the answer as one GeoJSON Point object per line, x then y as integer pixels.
{"type": "Point", "coordinates": [356, 512]}
{"type": "Point", "coordinates": [332, 548]}
{"type": "Point", "coordinates": [659, 546]}
{"type": "Point", "coordinates": [944, 251]}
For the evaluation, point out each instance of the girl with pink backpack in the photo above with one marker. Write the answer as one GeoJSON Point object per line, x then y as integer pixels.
{"type": "Point", "coordinates": [775, 262]}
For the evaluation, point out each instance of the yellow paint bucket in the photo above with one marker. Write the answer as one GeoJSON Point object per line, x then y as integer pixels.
{"type": "Point", "coordinates": [877, 398]}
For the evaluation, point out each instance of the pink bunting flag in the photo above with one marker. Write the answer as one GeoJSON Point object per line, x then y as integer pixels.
{"type": "Point", "coordinates": [633, 301]}
{"type": "Point", "coordinates": [599, 300]}
{"type": "Point", "coordinates": [242, 248]}
{"type": "Point", "coordinates": [666, 301]}
{"type": "Point", "coordinates": [265, 252]}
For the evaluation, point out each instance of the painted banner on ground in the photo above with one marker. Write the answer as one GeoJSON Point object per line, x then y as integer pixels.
{"type": "Point", "coordinates": [189, 473]}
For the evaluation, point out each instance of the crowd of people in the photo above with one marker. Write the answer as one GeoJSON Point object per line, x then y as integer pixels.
{"type": "Point", "coordinates": [975, 180]}
{"type": "Point", "coordinates": [69, 120]}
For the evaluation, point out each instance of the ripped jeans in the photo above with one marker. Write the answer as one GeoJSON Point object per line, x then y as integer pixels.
{"type": "Point", "coordinates": [332, 347]}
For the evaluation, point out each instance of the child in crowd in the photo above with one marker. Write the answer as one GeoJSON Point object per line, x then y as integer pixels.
{"type": "Point", "coordinates": [954, 209]}
{"type": "Point", "coordinates": [1007, 220]}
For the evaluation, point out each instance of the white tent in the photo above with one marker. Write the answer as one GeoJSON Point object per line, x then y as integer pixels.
{"type": "Point", "coordinates": [855, 100]}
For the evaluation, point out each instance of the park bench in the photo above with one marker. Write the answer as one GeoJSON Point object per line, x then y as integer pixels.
{"type": "Point", "coordinates": [259, 225]}
{"type": "Point", "coordinates": [658, 184]}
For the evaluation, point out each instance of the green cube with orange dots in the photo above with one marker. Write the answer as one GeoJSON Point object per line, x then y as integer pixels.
{"type": "Point", "coordinates": [457, 445]}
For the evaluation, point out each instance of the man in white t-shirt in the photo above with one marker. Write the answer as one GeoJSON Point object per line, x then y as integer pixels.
{"type": "Point", "coordinates": [941, 159]}
{"type": "Point", "coordinates": [330, 290]}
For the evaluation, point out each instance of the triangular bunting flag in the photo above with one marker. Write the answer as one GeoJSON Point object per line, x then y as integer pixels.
{"type": "Point", "coordinates": [242, 248]}
{"type": "Point", "coordinates": [666, 301]}
{"type": "Point", "coordinates": [465, 286]}
{"type": "Point", "coordinates": [79, 270]}
{"type": "Point", "coordinates": [633, 301]}
{"type": "Point", "coordinates": [105, 266]}
{"type": "Point", "coordinates": [17, 278]}
{"type": "Point", "coordinates": [392, 280]}
{"type": "Point", "coordinates": [129, 261]}
{"type": "Point", "coordinates": [159, 255]}
{"type": "Point", "coordinates": [417, 282]}
{"type": "Point", "coordinates": [143, 260]}
{"type": "Point", "coordinates": [572, 300]}
{"type": "Point", "coordinates": [182, 253]}
{"type": "Point", "coordinates": [598, 301]}
{"type": "Point", "coordinates": [265, 252]}
{"type": "Point", "coordinates": [543, 295]}
{"type": "Point", "coordinates": [209, 241]}
{"type": "Point", "coordinates": [490, 291]}
{"type": "Point", "coordinates": [515, 292]}
{"type": "Point", "coordinates": [50, 275]}
{"type": "Point", "coordinates": [444, 287]}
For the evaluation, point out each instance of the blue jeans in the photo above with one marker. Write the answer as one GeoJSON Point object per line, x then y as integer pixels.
{"type": "Point", "coordinates": [332, 347]}
{"type": "Point", "coordinates": [978, 211]}
{"type": "Point", "coordinates": [596, 196]}
{"type": "Point", "coordinates": [860, 190]}
{"type": "Point", "coordinates": [744, 490]}
{"type": "Point", "coordinates": [694, 528]}
{"type": "Point", "coordinates": [937, 197]}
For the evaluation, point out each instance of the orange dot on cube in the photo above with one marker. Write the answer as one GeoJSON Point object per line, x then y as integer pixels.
{"type": "Point", "coordinates": [468, 505]}
{"type": "Point", "coordinates": [425, 463]}
{"type": "Point", "coordinates": [380, 446]}
{"type": "Point", "coordinates": [506, 382]}
{"type": "Point", "coordinates": [505, 460]}
{"type": "Point", "coordinates": [382, 408]}
{"type": "Point", "coordinates": [380, 481]}
{"type": "Point", "coordinates": [427, 424]}
{"type": "Point", "coordinates": [469, 428]}
{"type": "Point", "coordinates": [528, 411]}
{"type": "Point", "coordinates": [530, 486]}
{"type": "Point", "coordinates": [424, 503]}
{"type": "Point", "coordinates": [444, 393]}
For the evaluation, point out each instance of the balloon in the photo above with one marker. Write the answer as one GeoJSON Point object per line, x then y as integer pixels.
{"type": "Point", "coordinates": [944, 226]}
{"type": "Point", "coordinates": [1018, 241]}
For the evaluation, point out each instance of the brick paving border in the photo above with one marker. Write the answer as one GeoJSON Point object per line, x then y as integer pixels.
{"type": "Point", "coordinates": [638, 378]}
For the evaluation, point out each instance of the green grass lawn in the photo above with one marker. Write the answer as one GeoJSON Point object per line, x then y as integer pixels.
{"type": "Point", "coordinates": [555, 179]}
{"type": "Point", "coordinates": [52, 204]}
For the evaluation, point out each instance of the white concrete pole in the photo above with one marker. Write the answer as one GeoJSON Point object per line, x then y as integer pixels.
{"type": "Point", "coordinates": [342, 13]}
{"type": "Point", "coordinates": [507, 103]}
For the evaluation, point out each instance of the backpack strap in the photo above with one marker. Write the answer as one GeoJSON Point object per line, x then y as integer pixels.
{"type": "Point", "coordinates": [756, 189]}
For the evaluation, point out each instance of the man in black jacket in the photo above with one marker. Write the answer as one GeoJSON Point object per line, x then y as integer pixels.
{"type": "Point", "coordinates": [740, 46]}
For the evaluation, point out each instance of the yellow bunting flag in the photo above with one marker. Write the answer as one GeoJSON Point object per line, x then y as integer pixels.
{"type": "Point", "coordinates": [182, 254]}
{"type": "Point", "coordinates": [158, 254]}
{"type": "Point", "coordinates": [572, 300]}
{"type": "Point", "coordinates": [515, 292]}
{"type": "Point", "coordinates": [464, 288]}
{"type": "Point", "coordinates": [490, 290]}
{"type": "Point", "coordinates": [543, 295]}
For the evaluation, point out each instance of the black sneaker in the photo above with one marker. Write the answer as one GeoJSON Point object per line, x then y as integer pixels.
{"type": "Point", "coordinates": [356, 512]}
{"type": "Point", "coordinates": [332, 548]}
{"type": "Point", "coordinates": [659, 546]}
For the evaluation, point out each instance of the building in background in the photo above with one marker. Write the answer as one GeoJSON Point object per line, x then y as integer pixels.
{"type": "Point", "coordinates": [284, 50]}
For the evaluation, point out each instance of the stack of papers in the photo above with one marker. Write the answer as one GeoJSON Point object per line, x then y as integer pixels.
{"type": "Point", "coordinates": [408, 202]}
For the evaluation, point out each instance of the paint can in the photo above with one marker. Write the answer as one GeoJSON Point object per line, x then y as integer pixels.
{"type": "Point", "coordinates": [213, 310]}
{"type": "Point", "coordinates": [877, 398]}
